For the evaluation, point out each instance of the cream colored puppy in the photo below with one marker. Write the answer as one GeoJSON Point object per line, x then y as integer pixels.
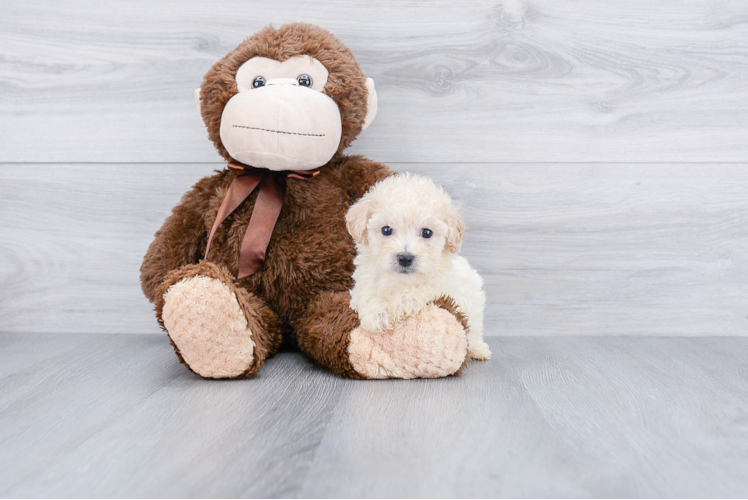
{"type": "Point", "coordinates": [407, 234]}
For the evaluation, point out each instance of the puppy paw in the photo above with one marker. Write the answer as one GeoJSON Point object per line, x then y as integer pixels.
{"type": "Point", "coordinates": [411, 305]}
{"type": "Point", "coordinates": [376, 322]}
{"type": "Point", "coordinates": [429, 344]}
{"type": "Point", "coordinates": [479, 351]}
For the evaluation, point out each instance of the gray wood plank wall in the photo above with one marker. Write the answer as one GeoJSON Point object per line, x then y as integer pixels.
{"type": "Point", "coordinates": [598, 149]}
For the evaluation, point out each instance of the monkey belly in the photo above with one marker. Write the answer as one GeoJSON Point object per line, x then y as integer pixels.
{"type": "Point", "coordinates": [310, 251]}
{"type": "Point", "coordinates": [304, 264]}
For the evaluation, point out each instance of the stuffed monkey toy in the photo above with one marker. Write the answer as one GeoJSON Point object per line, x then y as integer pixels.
{"type": "Point", "coordinates": [258, 255]}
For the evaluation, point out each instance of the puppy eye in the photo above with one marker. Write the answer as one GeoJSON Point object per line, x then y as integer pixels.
{"type": "Point", "coordinates": [387, 231]}
{"type": "Point", "coordinates": [427, 233]}
{"type": "Point", "coordinates": [304, 80]}
{"type": "Point", "coordinates": [259, 81]}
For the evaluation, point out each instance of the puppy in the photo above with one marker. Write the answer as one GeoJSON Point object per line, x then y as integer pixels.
{"type": "Point", "coordinates": [407, 235]}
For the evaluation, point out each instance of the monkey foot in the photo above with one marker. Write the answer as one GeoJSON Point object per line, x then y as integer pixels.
{"type": "Point", "coordinates": [208, 327]}
{"type": "Point", "coordinates": [430, 344]}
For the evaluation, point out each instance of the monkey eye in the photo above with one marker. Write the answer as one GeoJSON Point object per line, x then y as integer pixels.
{"type": "Point", "coordinates": [305, 80]}
{"type": "Point", "coordinates": [387, 231]}
{"type": "Point", "coordinates": [259, 81]}
{"type": "Point", "coordinates": [427, 233]}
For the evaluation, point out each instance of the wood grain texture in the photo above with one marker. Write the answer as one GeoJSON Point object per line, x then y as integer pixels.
{"type": "Point", "coordinates": [565, 249]}
{"type": "Point", "coordinates": [477, 80]}
{"type": "Point", "coordinates": [123, 418]}
{"type": "Point", "coordinates": [655, 386]}
{"type": "Point", "coordinates": [117, 416]}
{"type": "Point", "coordinates": [19, 352]}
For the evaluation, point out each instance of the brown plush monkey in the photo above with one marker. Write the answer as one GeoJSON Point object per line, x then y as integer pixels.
{"type": "Point", "coordinates": [281, 108]}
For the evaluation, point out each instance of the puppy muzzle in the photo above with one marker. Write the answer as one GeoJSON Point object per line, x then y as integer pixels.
{"type": "Point", "coordinates": [405, 263]}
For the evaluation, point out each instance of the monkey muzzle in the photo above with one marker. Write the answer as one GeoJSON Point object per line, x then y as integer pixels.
{"type": "Point", "coordinates": [281, 126]}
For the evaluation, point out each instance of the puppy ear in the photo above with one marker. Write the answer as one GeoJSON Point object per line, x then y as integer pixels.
{"type": "Point", "coordinates": [357, 218]}
{"type": "Point", "coordinates": [455, 229]}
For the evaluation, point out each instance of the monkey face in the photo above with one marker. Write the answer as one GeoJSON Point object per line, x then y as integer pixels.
{"type": "Point", "coordinates": [286, 99]}
{"type": "Point", "coordinates": [280, 119]}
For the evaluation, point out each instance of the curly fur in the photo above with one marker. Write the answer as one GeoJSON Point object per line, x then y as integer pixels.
{"type": "Point", "coordinates": [386, 293]}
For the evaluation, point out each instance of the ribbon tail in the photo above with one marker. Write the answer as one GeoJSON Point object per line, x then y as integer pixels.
{"type": "Point", "coordinates": [239, 190]}
{"type": "Point", "coordinates": [261, 224]}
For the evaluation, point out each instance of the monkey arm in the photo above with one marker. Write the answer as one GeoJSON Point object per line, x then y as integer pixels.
{"type": "Point", "coordinates": [182, 238]}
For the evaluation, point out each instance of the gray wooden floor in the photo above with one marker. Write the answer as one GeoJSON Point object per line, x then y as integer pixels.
{"type": "Point", "coordinates": [116, 415]}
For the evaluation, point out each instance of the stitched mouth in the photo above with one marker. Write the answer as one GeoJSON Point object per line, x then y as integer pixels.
{"type": "Point", "coordinates": [278, 131]}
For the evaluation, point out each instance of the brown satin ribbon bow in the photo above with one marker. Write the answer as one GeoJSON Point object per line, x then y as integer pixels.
{"type": "Point", "coordinates": [265, 214]}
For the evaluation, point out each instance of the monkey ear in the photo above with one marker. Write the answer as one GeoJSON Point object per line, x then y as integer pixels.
{"type": "Point", "coordinates": [357, 219]}
{"type": "Point", "coordinates": [456, 228]}
{"type": "Point", "coordinates": [197, 103]}
{"type": "Point", "coordinates": [371, 103]}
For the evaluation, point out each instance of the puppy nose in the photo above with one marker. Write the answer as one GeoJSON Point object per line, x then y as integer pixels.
{"type": "Point", "coordinates": [405, 259]}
